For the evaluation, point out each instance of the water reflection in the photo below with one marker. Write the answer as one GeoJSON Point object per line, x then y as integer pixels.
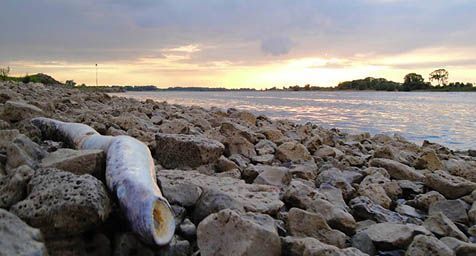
{"type": "Point", "coordinates": [446, 118]}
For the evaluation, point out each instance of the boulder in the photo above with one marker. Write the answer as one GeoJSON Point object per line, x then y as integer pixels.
{"type": "Point", "coordinates": [274, 175]}
{"type": "Point", "coordinates": [175, 126]}
{"type": "Point", "coordinates": [17, 238]}
{"type": "Point", "coordinates": [129, 244]}
{"type": "Point", "coordinates": [15, 111]}
{"type": "Point", "coordinates": [230, 129]}
{"type": "Point", "coordinates": [265, 147]}
{"type": "Point", "coordinates": [239, 145]}
{"type": "Point", "coordinates": [307, 224]}
{"type": "Point", "coordinates": [459, 247]}
{"type": "Point", "coordinates": [23, 151]}
{"type": "Point", "coordinates": [376, 193]}
{"type": "Point", "coordinates": [364, 208]}
{"type": "Point", "coordinates": [252, 197]}
{"type": "Point", "coordinates": [63, 204]}
{"type": "Point", "coordinates": [229, 233]}
{"type": "Point", "coordinates": [245, 116]}
{"type": "Point", "coordinates": [455, 210]}
{"type": "Point", "coordinates": [427, 245]}
{"type": "Point", "coordinates": [397, 170]}
{"type": "Point", "coordinates": [429, 160]}
{"type": "Point", "coordinates": [292, 151]}
{"type": "Point", "coordinates": [452, 187]}
{"type": "Point", "coordinates": [177, 150]}
{"type": "Point", "coordinates": [387, 236]}
{"type": "Point", "coordinates": [176, 247]}
{"type": "Point", "coordinates": [77, 161]}
{"type": "Point", "coordinates": [423, 201]}
{"type": "Point", "coordinates": [441, 225]}
{"type": "Point", "coordinates": [7, 137]}
{"type": "Point", "coordinates": [13, 186]}
{"type": "Point", "coordinates": [180, 193]}
{"type": "Point", "coordinates": [297, 246]}
{"type": "Point", "coordinates": [272, 134]}
{"type": "Point", "coordinates": [325, 152]}
{"type": "Point", "coordinates": [300, 195]}
{"type": "Point", "coordinates": [224, 164]}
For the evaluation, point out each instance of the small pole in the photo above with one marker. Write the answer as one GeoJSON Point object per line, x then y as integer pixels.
{"type": "Point", "coordinates": [96, 74]}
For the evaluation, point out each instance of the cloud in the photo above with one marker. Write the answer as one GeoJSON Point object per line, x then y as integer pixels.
{"type": "Point", "coordinates": [276, 45]}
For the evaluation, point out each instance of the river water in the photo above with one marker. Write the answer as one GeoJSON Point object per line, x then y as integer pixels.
{"type": "Point", "coordinates": [448, 118]}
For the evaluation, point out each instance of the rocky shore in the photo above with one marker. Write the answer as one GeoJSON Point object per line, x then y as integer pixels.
{"type": "Point", "coordinates": [239, 184]}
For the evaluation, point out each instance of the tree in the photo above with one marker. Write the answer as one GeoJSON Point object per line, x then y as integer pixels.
{"type": "Point", "coordinates": [440, 75]}
{"type": "Point", "coordinates": [26, 79]}
{"type": "Point", "coordinates": [4, 73]}
{"type": "Point", "coordinates": [70, 83]}
{"type": "Point", "coordinates": [414, 81]}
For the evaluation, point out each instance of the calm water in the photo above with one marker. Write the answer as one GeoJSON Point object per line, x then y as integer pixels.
{"type": "Point", "coordinates": [446, 118]}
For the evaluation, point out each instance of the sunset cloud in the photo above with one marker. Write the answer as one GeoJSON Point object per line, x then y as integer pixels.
{"type": "Point", "coordinates": [237, 43]}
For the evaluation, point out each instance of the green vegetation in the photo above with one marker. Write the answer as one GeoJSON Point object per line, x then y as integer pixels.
{"type": "Point", "coordinates": [369, 83]}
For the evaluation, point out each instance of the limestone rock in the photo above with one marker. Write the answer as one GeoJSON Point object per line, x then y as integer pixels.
{"type": "Point", "coordinates": [245, 116]}
{"type": "Point", "coordinates": [230, 129]}
{"type": "Point", "coordinates": [364, 208]}
{"type": "Point", "coordinates": [17, 238]}
{"type": "Point", "coordinates": [292, 151]}
{"type": "Point", "coordinates": [253, 197]}
{"type": "Point", "coordinates": [176, 150]}
{"type": "Point", "coordinates": [307, 224]}
{"type": "Point", "coordinates": [429, 160]}
{"type": "Point", "coordinates": [15, 111]}
{"type": "Point", "coordinates": [274, 175]}
{"type": "Point", "coordinates": [76, 161]}
{"type": "Point", "coordinates": [393, 235]}
{"type": "Point", "coordinates": [450, 186]}
{"type": "Point", "coordinates": [325, 152]}
{"type": "Point", "coordinates": [441, 225]}
{"type": "Point", "coordinates": [296, 246]}
{"type": "Point", "coordinates": [459, 247]}
{"type": "Point", "coordinates": [63, 204]}
{"type": "Point", "coordinates": [397, 170]}
{"type": "Point", "coordinates": [455, 210]}
{"type": "Point", "coordinates": [272, 134]}
{"type": "Point", "coordinates": [427, 245]}
{"type": "Point", "coordinates": [239, 145]}
{"type": "Point", "coordinates": [22, 151]}
{"type": "Point", "coordinates": [228, 233]}
{"type": "Point", "coordinates": [423, 201]}
{"type": "Point", "coordinates": [130, 244]}
{"type": "Point", "coordinates": [13, 186]}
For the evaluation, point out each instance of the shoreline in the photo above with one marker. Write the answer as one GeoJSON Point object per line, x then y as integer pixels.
{"type": "Point", "coordinates": [278, 187]}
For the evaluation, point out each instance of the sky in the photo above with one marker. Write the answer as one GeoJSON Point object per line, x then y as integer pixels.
{"type": "Point", "coordinates": [237, 43]}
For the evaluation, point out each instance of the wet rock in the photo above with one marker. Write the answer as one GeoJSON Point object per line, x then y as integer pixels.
{"type": "Point", "coordinates": [452, 187]}
{"type": "Point", "coordinates": [441, 225]}
{"type": "Point", "coordinates": [429, 160]}
{"type": "Point", "coordinates": [292, 151]}
{"type": "Point", "coordinates": [364, 208]}
{"type": "Point", "coordinates": [63, 204]}
{"type": "Point", "coordinates": [296, 246]}
{"type": "Point", "coordinates": [253, 197]}
{"type": "Point", "coordinates": [392, 235]}
{"type": "Point", "coordinates": [13, 186]}
{"type": "Point", "coordinates": [23, 151]}
{"type": "Point", "coordinates": [17, 238]}
{"type": "Point", "coordinates": [397, 170]}
{"type": "Point", "coordinates": [455, 210]}
{"type": "Point", "coordinates": [76, 161]}
{"type": "Point", "coordinates": [423, 201]}
{"type": "Point", "coordinates": [274, 175]}
{"type": "Point", "coordinates": [218, 234]}
{"type": "Point", "coordinates": [307, 224]}
{"type": "Point", "coordinates": [176, 150]}
{"type": "Point", "coordinates": [15, 111]}
{"type": "Point", "coordinates": [427, 245]}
